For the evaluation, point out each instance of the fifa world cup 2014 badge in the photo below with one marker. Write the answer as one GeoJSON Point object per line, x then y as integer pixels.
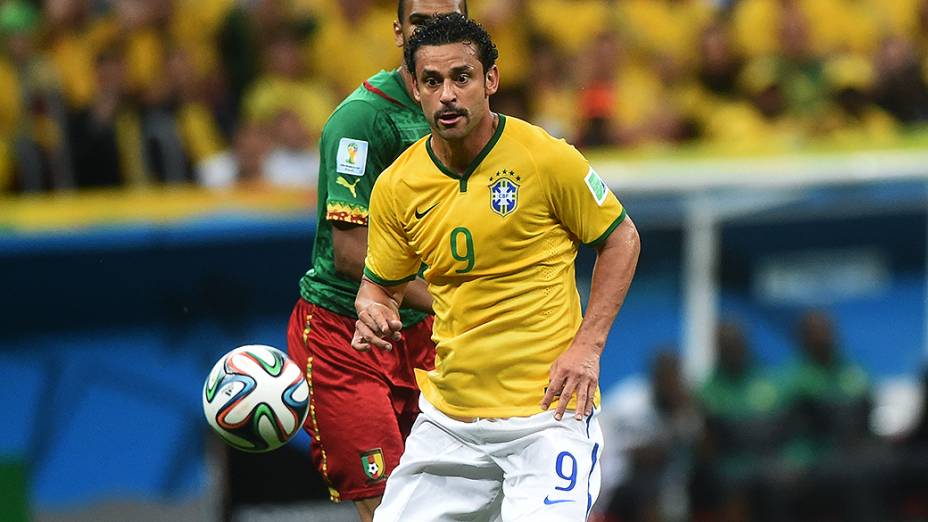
{"type": "Point", "coordinates": [372, 464]}
{"type": "Point", "coordinates": [504, 192]}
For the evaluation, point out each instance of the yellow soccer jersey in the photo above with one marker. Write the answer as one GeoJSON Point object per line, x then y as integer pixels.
{"type": "Point", "coordinates": [499, 243]}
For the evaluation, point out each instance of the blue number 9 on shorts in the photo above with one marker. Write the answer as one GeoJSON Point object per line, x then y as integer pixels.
{"type": "Point", "coordinates": [570, 477]}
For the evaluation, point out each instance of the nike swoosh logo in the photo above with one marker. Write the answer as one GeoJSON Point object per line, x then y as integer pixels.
{"type": "Point", "coordinates": [549, 502]}
{"type": "Point", "coordinates": [420, 215]}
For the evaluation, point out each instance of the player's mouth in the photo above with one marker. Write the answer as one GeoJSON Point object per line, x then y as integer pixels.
{"type": "Point", "coordinates": [450, 118]}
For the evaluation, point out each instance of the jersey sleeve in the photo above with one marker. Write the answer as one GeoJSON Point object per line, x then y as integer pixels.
{"type": "Point", "coordinates": [581, 200]}
{"type": "Point", "coordinates": [390, 259]}
{"type": "Point", "coordinates": [357, 145]}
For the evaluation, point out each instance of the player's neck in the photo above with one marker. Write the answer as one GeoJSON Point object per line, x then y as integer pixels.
{"type": "Point", "coordinates": [407, 82]}
{"type": "Point", "coordinates": [457, 155]}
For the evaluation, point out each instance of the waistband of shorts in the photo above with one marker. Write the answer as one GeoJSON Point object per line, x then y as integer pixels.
{"type": "Point", "coordinates": [480, 428]}
{"type": "Point", "coordinates": [430, 409]}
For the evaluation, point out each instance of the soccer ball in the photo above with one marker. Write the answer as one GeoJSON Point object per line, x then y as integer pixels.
{"type": "Point", "coordinates": [256, 398]}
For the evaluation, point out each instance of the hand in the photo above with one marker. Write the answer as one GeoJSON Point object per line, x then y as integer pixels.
{"type": "Point", "coordinates": [376, 325]}
{"type": "Point", "coordinates": [576, 371]}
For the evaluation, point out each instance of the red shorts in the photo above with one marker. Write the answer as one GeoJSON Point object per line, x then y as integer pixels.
{"type": "Point", "coordinates": [362, 404]}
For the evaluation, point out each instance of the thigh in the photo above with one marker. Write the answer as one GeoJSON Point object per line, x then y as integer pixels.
{"type": "Point", "coordinates": [356, 437]}
{"type": "Point", "coordinates": [440, 479]}
{"type": "Point", "coordinates": [553, 474]}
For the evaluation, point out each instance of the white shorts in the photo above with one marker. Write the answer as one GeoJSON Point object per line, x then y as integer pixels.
{"type": "Point", "coordinates": [522, 468]}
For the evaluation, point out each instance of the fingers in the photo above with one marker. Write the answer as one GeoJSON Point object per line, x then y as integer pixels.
{"type": "Point", "coordinates": [376, 326]}
{"type": "Point", "coordinates": [365, 337]}
{"type": "Point", "coordinates": [583, 400]}
{"type": "Point", "coordinates": [358, 342]}
{"type": "Point", "coordinates": [575, 372]}
{"type": "Point", "coordinates": [554, 389]}
{"type": "Point", "coordinates": [396, 325]}
{"type": "Point", "coordinates": [375, 319]}
{"type": "Point", "coordinates": [586, 392]}
{"type": "Point", "coordinates": [563, 388]}
{"type": "Point", "coordinates": [566, 394]}
{"type": "Point", "coordinates": [591, 394]}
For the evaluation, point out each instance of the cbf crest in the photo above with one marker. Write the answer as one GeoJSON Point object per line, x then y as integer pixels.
{"type": "Point", "coordinates": [504, 192]}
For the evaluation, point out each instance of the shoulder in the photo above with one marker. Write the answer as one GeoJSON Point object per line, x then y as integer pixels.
{"type": "Point", "coordinates": [542, 147]}
{"type": "Point", "coordinates": [381, 80]}
{"type": "Point", "coordinates": [361, 121]}
{"type": "Point", "coordinates": [414, 155]}
{"type": "Point", "coordinates": [355, 113]}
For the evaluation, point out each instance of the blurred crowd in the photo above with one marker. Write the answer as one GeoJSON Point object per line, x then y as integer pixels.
{"type": "Point", "coordinates": [229, 92]}
{"type": "Point", "coordinates": [796, 443]}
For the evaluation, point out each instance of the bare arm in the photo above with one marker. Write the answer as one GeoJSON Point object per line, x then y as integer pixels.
{"type": "Point", "coordinates": [349, 244]}
{"type": "Point", "coordinates": [577, 369]}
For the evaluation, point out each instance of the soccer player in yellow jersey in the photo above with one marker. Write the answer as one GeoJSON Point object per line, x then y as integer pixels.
{"type": "Point", "coordinates": [496, 209]}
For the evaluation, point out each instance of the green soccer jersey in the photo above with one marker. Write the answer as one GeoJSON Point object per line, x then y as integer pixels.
{"type": "Point", "coordinates": [367, 131]}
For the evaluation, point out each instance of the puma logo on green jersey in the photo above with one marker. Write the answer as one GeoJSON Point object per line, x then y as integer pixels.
{"type": "Point", "coordinates": [348, 185]}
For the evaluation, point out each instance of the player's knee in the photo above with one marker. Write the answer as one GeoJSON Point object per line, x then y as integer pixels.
{"type": "Point", "coordinates": [366, 507]}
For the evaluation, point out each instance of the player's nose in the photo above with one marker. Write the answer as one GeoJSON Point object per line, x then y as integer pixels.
{"type": "Point", "coordinates": [448, 94]}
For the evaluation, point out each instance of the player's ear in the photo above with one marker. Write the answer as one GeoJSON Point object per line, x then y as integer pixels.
{"type": "Point", "coordinates": [492, 81]}
{"type": "Point", "coordinates": [398, 37]}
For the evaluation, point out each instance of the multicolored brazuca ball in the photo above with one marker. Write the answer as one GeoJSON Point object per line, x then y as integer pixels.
{"type": "Point", "coordinates": [256, 398]}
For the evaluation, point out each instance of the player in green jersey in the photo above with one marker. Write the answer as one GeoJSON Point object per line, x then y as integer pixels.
{"type": "Point", "coordinates": [362, 405]}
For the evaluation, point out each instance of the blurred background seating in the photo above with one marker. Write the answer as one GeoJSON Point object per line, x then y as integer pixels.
{"type": "Point", "coordinates": [157, 176]}
{"type": "Point", "coordinates": [130, 92]}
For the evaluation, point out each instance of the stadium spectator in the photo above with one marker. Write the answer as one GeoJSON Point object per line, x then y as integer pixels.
{"type": "Point", "coordinates": [833, 466]}
{"type": "Point", "coordinates": [665, 30]}
{"type": "Point", "coordinates": [910, 490]}
{"type": "Point", "coordinates": [106, 137]}
{"type": "Point", "coordinates": [32, 129]}
{"type": "Point", "coordinates": [588, 19]}
{"type": "Point", "coordinates": [901, 88]}
{"type": "Point", "coordinates": [719, 65]}
{"type": "Point", "coordinates": [554, 99]}
{"type": "Point", "coordinates": [74, 37]}
{"type": "Point", "coordinates": [243, 165]}
{"type": "Point", "coordinates": [294, 161]}
{"type": "Point", "coordinates": [351, 33]}
{"type": "Point", "coordinates": [760, 122]}
{"type": "Point", "coordinates": [285, 86]}
{"type": "Point", "coordinates": [142, 26]}
{"type": "Point", "coordinates": [743, 414]}
{"type": "Point", "coordinates": [799, 66]}
{"type": "Point", "coordinates": [188, 106]}
{"type": "Point", "coordinates": [598, 100]}
{"type": "Point", "coordinates": [852, 118]}
{"type": "Point", "coordinates": [241, 38]}
{"type": "Point", "coordinates": [505, 20]}
{"type": "Point", "coordinates": [652, 431]}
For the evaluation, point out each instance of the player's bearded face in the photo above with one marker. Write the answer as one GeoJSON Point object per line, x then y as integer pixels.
{"type": "Point", "coordinates": [453, 89]}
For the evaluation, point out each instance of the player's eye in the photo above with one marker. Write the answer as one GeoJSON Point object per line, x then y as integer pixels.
{"type": "Point", "coordinates": [431, 82]}
{"type": "Point", "coordinates": [463, 78]}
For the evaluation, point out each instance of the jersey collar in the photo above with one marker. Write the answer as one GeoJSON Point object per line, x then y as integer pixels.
{"type": "Point", "coordinates": [474, 163]}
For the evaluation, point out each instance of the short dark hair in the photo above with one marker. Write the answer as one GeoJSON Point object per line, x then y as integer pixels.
{"type": "Point", "coordinates": [448, 29]}
{"type": "Point", "coordinates": [401, 5]}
